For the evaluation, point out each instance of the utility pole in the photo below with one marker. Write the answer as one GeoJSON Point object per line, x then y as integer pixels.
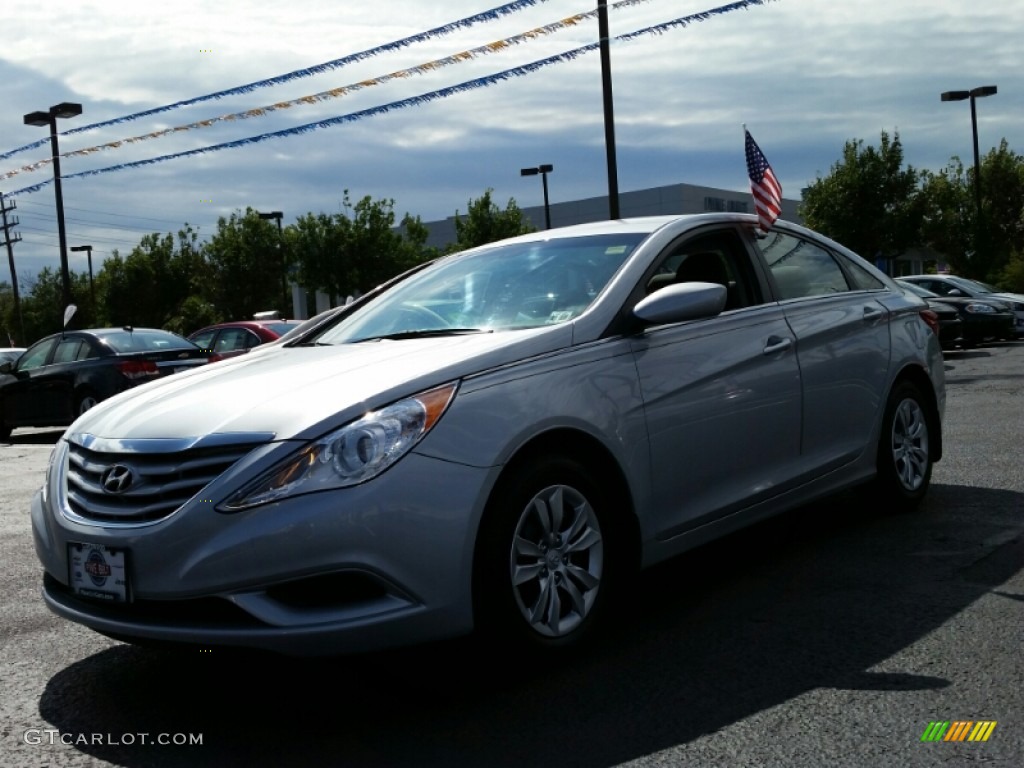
{"type": "Point", "coordinates": [9, 241]}
{"type": "Point", "coordinates": [609, 110]}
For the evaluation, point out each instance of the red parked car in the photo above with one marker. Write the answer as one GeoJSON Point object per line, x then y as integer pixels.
{"type": "Point", "coordinates": [236, 338]}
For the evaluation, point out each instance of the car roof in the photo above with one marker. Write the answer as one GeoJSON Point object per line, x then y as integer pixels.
{"type": "Point", "coordinates": [246, 324]}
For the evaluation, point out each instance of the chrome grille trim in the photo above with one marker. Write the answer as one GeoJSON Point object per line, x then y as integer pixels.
{"type": "Point", "coordinates": [166, 475]}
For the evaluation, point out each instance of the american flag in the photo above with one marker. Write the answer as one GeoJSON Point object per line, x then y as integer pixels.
{"type": "Point", "coordinates": [765, 187]}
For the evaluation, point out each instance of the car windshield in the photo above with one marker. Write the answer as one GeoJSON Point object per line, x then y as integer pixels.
{"type": "Point", "coordinates": [143, 341]}
{"type": "Point", "coordinates": [511, 286]}
{"type": "Point", "coordinates": [971, 286]}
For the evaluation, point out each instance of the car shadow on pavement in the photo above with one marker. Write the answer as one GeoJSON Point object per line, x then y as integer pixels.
{"type": "Point", "coordinates": [812, 599]}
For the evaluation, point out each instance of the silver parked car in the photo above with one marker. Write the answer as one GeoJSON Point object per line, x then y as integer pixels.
{"type": "Point", "coordinates": [494, 441]}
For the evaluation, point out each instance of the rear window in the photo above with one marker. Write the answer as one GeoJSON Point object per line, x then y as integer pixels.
{"type": "Point", "coordinates": [144, 341]}
{"type": "Point", "coordinates": [280, 328]}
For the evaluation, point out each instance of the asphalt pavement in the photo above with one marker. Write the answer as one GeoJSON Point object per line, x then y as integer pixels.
{"type": "Point", "coordinates": [831, 636]}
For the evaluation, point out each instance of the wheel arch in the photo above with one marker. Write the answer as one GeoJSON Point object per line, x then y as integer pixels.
{"type": "Point", "coordinates": [920, 379]}
{"type": "Point", "coordinates": [580, 446]}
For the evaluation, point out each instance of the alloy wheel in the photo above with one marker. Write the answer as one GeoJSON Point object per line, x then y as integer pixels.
{"type": "Point", "coordinates": [557, 560]}
{"type": "Point", "coordinates": [910, 444]}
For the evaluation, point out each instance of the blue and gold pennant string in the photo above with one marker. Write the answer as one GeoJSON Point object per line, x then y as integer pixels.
{"type": "Point", "coordinates": [437, 32]}
{"type": "Point", "coordinates": [469, 85]}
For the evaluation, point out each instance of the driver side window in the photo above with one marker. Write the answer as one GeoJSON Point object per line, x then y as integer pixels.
{"type": "Point", "coordinates": [36, 356]}
{"type": "Point", "coordinates": [718, 257]}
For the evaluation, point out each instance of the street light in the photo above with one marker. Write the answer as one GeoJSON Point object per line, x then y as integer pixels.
{"type": "Point", "coordinates": [280, 252]}
{"type": "Point", "coordinates": [92, 288]}
{"type": "Point", "coordinates": [64, 110]}
{"type": "Point", "coordinates": [543, 170]}
{"type": "Point", "coordinates": [973, 95]}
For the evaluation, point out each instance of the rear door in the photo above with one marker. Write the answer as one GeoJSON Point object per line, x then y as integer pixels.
{"type": "Point", "coordinates": [842, 343]}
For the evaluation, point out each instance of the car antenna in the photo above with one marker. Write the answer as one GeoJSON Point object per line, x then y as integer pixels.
{"type": "Point", "coordinates": [127, 328]}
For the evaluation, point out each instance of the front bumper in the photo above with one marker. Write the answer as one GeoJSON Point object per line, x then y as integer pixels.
{"type": "Point", "coordinates": [382, 564]}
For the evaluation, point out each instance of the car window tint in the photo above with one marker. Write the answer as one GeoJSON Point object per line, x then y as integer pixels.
{"type": "Point", "coordinates": [718, 257]}
{"type": "Point", "coordinates": [235, 339]}
{"type": "Point", "coordinates": [87, 351]}
{"type": "Point", "coordinates": [141, 340]}
{"type": "Point", "coordinates": [861, 278]}
{"type": "Point", "coordinates": [944, 288]}
{"type": "Point", "coordinates": [36, 355]}
{"type": "Point", "coordinates": [67, 351]}
{"type": "Point", "coordinates": [800, 268]}
{"type": "Point", "coordinates": [204, 339]}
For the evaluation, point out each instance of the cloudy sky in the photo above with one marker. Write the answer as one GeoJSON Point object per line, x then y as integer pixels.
{"type": "Point", "coordinates": [804, 75]}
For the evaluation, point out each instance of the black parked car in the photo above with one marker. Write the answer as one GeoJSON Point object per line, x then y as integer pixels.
{"type": "Point", "coordinates": [983, 319]}
{"type": "Point", "coordinates": [64, 375]}
{"type": "Point", "coordinates": [950, 324]}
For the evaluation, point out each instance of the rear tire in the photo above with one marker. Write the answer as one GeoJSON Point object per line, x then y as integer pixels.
{"type": "Point", "coordinates": [905, 449]}
{"type": "Point", "coordinates": [84, 402]}
{"type": "Point", "coordinates": [545, 564]}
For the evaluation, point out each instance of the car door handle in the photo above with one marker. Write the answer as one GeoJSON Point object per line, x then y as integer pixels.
{"type": "Point", "coordinates": [870, 314]}
{"type": "Point", "coordinates": [777, 344]}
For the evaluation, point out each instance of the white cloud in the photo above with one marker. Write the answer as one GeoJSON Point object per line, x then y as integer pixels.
{"type": "Point", "coordinates": [806, 75]}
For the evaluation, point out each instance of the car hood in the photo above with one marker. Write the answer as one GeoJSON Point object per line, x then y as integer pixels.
{"type": "Point", "coordinates": [1014, 297]}
{"type": "Point", "coordinates": [302, 392]}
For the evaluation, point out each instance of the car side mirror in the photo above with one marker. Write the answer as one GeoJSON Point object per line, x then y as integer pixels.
{"type": "Point", "coordinates": [7, 366]}
{"type": "Point", "coordinates": [955, 292]}
{"type": "Point", "coordinates": [681, 301]}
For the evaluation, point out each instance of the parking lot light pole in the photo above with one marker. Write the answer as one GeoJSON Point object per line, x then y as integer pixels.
{"type": "Point", "coordinates": [974, 94]}
{"type": "Point", "coordinates": [92, 288]}
{"type": "Point", "coordinates": [64, 109]}
{"type": "Point", "coordinates": [543, 171]}
{"type": "Point", "coordinates": [280, 252]}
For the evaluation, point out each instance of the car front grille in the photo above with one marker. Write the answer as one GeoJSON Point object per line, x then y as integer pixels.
{"type": "Point", "coordinates": [131, 487]}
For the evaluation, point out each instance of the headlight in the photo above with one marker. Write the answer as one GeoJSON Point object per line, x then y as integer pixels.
{"type": "Point", "coordinates": [357, 452]}
{"type": "Point", "coordinates": [57, 456]}
{"type": "Point", "coordinates": [980, 309]}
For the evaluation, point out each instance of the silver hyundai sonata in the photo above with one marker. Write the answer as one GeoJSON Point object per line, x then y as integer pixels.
{"type": "Point", "coordinates": [494, 441]}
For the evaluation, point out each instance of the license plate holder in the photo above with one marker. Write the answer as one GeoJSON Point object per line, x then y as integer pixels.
{"type": "Point", "coordinates": [98, 572]}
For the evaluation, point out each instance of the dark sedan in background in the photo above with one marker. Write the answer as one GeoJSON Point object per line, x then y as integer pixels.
{"type": "Point", "coordinates": [62, 376]}
{"type": "Point", "coordinates": [955, 286]}
{"type": "Point", "coordinates": [982, 320]}
{"type": "Point", "coordinates": [950, 325]}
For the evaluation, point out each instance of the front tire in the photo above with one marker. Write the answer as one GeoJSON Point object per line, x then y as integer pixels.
{"type": "Point", "coordinates": [905, 449]}
{"type": "Point", "coordinates": [545, 565]}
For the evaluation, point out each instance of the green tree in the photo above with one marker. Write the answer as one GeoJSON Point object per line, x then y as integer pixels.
{"type": "Point", "coordinates": [148, 287]}
{"type": "Point", "coordinates": [980, 249]}
{"type": "Point", "coordinates": [947, 222]}
{"type": "Point", "coordinates": [869, 202]}
{"type": "Point", "coordinates": [313, 243]}
{"type": "Point", "coordinates": [246, 265]}
{"type": "Point", "coordinates": [1002, 184]}
{"type": "Point", "coordinates": [10, 327]}
{"type": "Point", "coordinates": [485, 223]}
{"type": "Point", "coordinates": [349, 253]}
{"type": "Point", "coordinates": [42, 304]}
